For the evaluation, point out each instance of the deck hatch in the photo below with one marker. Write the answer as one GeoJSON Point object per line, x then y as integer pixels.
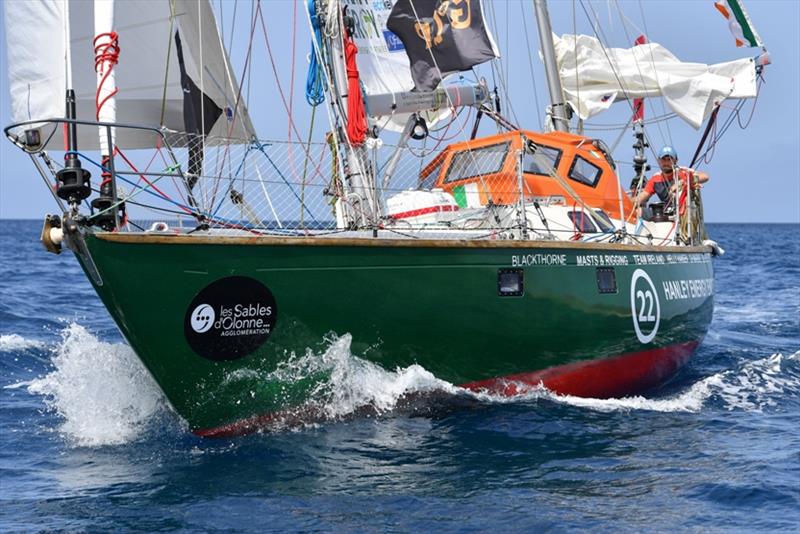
{"type": "Point", "coordinates": [510, 282]}
{"type": "Point", "coordinates": [606, 280]}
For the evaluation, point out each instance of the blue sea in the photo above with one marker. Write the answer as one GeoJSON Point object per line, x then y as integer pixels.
{"type": "Point", "coordinates": [87, 442]}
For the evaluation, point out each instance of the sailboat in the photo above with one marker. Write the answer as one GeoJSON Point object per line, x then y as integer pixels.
{"type": "Point", "coordinates": [499, 263]}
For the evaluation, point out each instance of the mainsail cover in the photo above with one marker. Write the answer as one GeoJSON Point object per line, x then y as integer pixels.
{"type": "Point", "coordinates": [597, 77]}
{"type": "Point", "coordinates": [152, 79]}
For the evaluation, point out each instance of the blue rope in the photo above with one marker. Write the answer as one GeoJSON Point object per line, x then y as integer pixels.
{"type": "Point", "coordinates": [315, 93]}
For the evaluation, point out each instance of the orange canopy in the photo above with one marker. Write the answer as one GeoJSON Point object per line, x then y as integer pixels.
{"type": "Point", "coordinates": [489, 166]}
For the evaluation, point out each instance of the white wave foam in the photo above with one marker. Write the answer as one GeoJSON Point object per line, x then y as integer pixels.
{"type": "Point", "coordinates": [102, 390]}
{"type": "Point", "coordinates": [356, 383]}
{"type": "Point", "coordinates": [752, 387]}
{"type": "Point", "coordinates": [689, 401]}
{"type": "Point", "coordinates": [15, 342]}
{"type": "Point", "coordinates": [759, 383]}
{"type": "Point", "coordinates": [106, 396]}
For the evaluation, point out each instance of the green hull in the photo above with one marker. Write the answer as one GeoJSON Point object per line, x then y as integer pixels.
{"type": "Point", "coordinates": [436, 304]}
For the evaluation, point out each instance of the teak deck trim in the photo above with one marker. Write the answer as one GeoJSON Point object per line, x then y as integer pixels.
{"type": "Point", "coordinates": [183, 239]}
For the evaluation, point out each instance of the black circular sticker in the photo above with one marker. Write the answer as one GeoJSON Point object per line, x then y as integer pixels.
{"type": "Point", "coordinates": [230, 318]}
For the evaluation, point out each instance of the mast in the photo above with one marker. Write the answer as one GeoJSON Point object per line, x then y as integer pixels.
{"type": "Point", "coordinates": [358, 178]}
{"type": "Point", "coordinates": [559, 111]}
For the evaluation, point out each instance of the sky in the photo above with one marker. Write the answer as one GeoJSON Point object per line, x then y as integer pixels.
{"type": "Point", "coordinates": [755, 172]}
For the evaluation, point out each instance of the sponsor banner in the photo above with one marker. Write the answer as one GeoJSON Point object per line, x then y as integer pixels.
{"type": "Point", "coordinates": [441, 37]}
{"type": "Point", "coordinates": [605, 260]}
{"type": "Point", "coordinates": [230, 318]}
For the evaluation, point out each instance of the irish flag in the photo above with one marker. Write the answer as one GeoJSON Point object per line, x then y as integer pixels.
{"type": "Point", "coordinates": [739, 23]}
{"type": "Point", "coordinates": [470, 195]}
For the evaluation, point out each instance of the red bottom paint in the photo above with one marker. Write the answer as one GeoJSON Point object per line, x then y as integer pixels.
{"type": "Point", "coordinates": [610, 377]}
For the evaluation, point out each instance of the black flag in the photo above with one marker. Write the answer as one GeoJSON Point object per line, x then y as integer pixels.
{"type": "Point", "coordinates": [194, 99]}
{"type": "Point", "coordinates": [440, 37]}
{"type": "Point", "coordinates": [198, 108]}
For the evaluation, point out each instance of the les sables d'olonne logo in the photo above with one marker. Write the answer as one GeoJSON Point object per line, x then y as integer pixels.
{"type": "Point", "coordinates": [230, 318]}
{"type": "Point", "coordinates": [236, 321]}
{"type": "Point", "coordinates": [203, 318]}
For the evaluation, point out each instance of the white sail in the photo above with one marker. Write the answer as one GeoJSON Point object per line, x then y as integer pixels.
{"type": "Point", "coordinates": [148, 74]}
{"type": "Point", "coordinates": [597, 77]}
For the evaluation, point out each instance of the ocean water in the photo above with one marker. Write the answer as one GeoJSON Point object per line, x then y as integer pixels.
{"type": "Point", "coordinates": [87, 442]}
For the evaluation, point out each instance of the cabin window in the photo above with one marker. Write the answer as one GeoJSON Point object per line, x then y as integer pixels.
{"type": "Point", "coordinates": [510, 282]}
{"type": "Point", "coordinates": [477, 162]}
{"type": "Point", "coordinates": [606, 280]}
{"type": "Point", "coordinates": [543, 160]}
{"type": "Point", "coordinates": [604, 221]}
{"type": "Point", "coordinates": [582, 221]}
{"type": "Point", "coordinates": [584, 172]}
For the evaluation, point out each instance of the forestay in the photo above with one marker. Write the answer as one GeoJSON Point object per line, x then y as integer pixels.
{"type": "Point", "coordinates": [598, 76]}
{"type": "Point", "coordinates": [152, 90]}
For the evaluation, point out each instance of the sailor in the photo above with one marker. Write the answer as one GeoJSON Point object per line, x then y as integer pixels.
{"type": "Point", "coordinates": [664, 185]}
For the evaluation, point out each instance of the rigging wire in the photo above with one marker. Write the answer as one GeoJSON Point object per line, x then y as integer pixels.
{"type": "Point", "coordinates": [577, 70]}
{"type": "Point", "coordinates": [719, 132]}
{"type": "Point", "coordinates": [603, 40]}
{"type": "Point", "coordinates": [597, 126]}
{"type": "Point", "coordinates": [293, 126]}
{"type": "Point", "coordinates": [624, 19]}
{"type": "Point", "coordinates": [166, 63]}
{"type": "Point", "coordinates": [652, 61]}
{"type": "Point", "coordinates": [496, 64]}
{"type": "Point", "coordinates": [523, 18]}
{"type": "Point", "coordinates": [600, 35]}
{"type": "Point", "coordinates": [291, 75]}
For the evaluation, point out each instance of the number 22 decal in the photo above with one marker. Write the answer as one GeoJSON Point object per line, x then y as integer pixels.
{"type": "Point", "coordinates": [645, 308]}
{"type": "Point", "coordinates": [646, 299]}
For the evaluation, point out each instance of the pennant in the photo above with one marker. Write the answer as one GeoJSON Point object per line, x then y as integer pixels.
{"type": "Point", "coordinates": [441, 37]}
{"type": "Point", "coordinates": [739, 23]}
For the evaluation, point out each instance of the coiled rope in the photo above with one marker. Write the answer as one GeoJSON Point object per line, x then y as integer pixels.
{"type": "Point", "coordinates": [315, 93]}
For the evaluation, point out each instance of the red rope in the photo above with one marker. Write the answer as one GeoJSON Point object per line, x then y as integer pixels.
{"type": "Point", "coordinates": [106, 55]}
{"type": "Point", "coordinates": [356, 115]}
{"type": "Point", "coordinates": [259, 14]}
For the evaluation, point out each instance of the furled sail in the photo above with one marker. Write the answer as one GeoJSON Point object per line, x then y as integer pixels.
{"type": "Point", "coordinates": [172, 71]}
{"type": "Point", "coordinates": [598, 76]}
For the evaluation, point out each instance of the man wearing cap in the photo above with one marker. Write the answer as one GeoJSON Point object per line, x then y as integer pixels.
{"type": "Point", "coordinates": [664, 185]}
